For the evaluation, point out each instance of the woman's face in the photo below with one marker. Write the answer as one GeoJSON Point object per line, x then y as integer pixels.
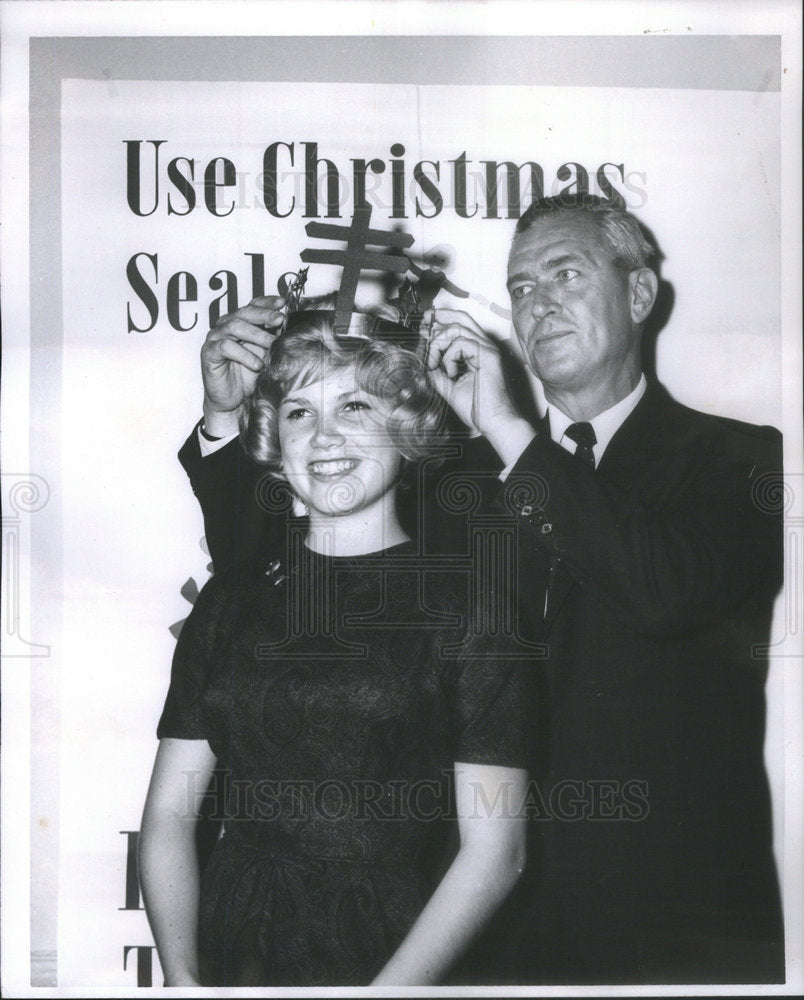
{"type": "Point", "coordinates": [337, 454]}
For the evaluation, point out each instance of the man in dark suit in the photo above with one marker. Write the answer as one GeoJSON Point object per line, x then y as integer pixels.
{"type": "Point", "coordinates": [648, 560]}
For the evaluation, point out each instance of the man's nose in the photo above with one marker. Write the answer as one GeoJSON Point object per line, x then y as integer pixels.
{"type": "Point", "coordinates": [542, 302]}
{"type": "Point", "coordinates": [327, 433]}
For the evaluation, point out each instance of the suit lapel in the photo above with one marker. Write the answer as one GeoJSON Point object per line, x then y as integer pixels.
{"type": "Point", "coordinates": [626, 459]}
{"type": "Point", "coordinates": [634, 445]}
{"type": "Point", "coordinates": [560, 584]}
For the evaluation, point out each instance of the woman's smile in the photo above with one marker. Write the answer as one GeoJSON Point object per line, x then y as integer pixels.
{"type": "Point", "coordinates": [330, 468]}
{"type": "Point", "coordinates": [337, 453]}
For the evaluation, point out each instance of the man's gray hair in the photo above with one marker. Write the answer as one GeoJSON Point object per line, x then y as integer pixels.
{"type": "Point", "coordinates": [621, 230]}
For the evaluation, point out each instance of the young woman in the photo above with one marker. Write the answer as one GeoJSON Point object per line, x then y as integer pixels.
{"type": "Point", "coordinates": [357, 710]}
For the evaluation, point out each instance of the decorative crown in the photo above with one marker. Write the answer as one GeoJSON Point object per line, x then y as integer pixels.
{"type": "Point", "coordinates": [368, 250]}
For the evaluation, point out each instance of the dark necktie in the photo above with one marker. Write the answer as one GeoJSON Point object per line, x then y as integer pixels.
{"type": "Point", "coordinates": [583, 434]}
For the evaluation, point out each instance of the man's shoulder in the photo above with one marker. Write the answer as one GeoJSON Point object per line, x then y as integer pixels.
{"type": "Point", "coordinates": [682, 424]}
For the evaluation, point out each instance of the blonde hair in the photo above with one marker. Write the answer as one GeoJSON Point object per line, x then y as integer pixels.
{"type": "Point", "coordinates": [309, 350]}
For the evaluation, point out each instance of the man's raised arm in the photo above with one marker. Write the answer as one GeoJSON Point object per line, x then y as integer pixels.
{"type": "Point", "coordinates": [223, 478]}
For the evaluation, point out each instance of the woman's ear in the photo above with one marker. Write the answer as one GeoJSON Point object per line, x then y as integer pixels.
{"type": "Point", "coordinates": [279, 473]}
{"type": "Point", "coordinates": [300, 508]}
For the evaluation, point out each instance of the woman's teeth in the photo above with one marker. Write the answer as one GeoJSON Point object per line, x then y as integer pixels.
{"type": "Point", "coordinates": [333, 467]}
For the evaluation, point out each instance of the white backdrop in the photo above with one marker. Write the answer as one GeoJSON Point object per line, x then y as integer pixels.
{"type": "Point", "coordinates": [130, 525]}
{"type": "Point", "coordinates": [687, 97]}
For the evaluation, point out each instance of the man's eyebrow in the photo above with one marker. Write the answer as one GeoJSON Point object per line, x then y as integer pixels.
{"type": "Point", "coordinates": [568, 258]}
{"type": "Point", "coordinates": [552, 263]}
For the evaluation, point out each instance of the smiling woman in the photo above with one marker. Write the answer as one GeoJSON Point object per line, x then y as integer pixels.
{"type": "Point", "coordinates": [337, 417]}
{"type": "Point", "coordinates": [360, 710]}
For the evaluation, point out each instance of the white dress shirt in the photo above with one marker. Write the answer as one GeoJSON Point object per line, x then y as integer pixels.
{"type": "Point", "coordinates": [605, 424]}
{"type": "Point", "coordinates": [209, 447]}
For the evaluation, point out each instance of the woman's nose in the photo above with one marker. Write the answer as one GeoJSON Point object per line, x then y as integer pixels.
{"type": "Point", "coordinates": [327, 434]}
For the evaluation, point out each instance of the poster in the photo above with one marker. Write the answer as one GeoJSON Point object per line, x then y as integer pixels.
{"type": "Point", "coordinates": [159, 175]}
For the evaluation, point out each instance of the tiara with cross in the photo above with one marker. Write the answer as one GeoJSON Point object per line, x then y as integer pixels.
{"type": "Point", "coordinates": [366, 250]}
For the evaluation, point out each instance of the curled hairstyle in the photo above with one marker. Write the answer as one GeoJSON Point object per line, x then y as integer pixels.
{"type": "Point", "coordinates": [309, 350]}
{"type": "Point", "coordinates": [620, 230]}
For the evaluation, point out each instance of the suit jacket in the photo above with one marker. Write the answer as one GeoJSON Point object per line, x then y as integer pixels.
{"type": "Point", "coordinates": [650, 855]}
{"type": "Point", "coordinates": [656, 862]}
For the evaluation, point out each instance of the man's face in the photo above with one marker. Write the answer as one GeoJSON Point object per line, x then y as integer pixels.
{"type": "Point", "coordinates": [572, 307]}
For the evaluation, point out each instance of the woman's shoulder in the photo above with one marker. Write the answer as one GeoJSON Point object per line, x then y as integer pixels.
{"type": "Point", "coordinates": [233, 587]}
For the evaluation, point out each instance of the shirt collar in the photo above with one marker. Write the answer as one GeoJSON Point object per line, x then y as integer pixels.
{"type": "Point", "coordinates": [605, 424]}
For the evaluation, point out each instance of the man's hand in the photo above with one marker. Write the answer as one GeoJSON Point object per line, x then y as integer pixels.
{"type": "Point", "coordinates": [232, 357]}
{"type": "Point", "coordinates": [465, 367]}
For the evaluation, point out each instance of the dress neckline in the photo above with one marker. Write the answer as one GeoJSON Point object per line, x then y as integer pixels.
{"type": "Point", "coordinates": [401, 548]}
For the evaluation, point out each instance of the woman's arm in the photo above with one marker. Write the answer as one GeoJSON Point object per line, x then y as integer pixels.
{"type": "Point", "coordinates": [168, 862]}
{"type": "Point", "coordinates": [490, 859]}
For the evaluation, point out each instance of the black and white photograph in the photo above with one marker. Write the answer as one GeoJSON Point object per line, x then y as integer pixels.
{"type": "Point", "coordinates": [402, 498]}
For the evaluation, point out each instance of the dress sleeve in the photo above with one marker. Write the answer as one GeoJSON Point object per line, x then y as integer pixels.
{"type": "Point", "coordinates": [492, 701]}
{"type": "Point", "coordinates": [183, 716]}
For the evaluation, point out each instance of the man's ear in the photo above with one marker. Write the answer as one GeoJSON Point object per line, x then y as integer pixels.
{"type": "Point", "coordinates": [643, 286]}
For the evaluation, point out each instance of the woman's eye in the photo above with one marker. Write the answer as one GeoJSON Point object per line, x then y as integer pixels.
{"type": "Point", "coordinates": [296, 414]}
{"type": "Point", "coordinates": [356, 405]}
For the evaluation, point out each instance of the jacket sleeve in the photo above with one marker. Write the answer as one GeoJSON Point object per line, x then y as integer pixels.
{"type": "Point", "coordinates": [693, 536]}
{"type": "Point", "coordinates": [243, 505]}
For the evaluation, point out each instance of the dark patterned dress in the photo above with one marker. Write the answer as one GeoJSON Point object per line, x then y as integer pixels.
{"type": "Point", "coordinates": [336, 694]}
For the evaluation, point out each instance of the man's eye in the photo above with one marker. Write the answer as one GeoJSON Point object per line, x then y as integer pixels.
{"type": "Point", "coordinates": [567, 274]}
{"type": "Point", "coordinates": [520, 291]}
